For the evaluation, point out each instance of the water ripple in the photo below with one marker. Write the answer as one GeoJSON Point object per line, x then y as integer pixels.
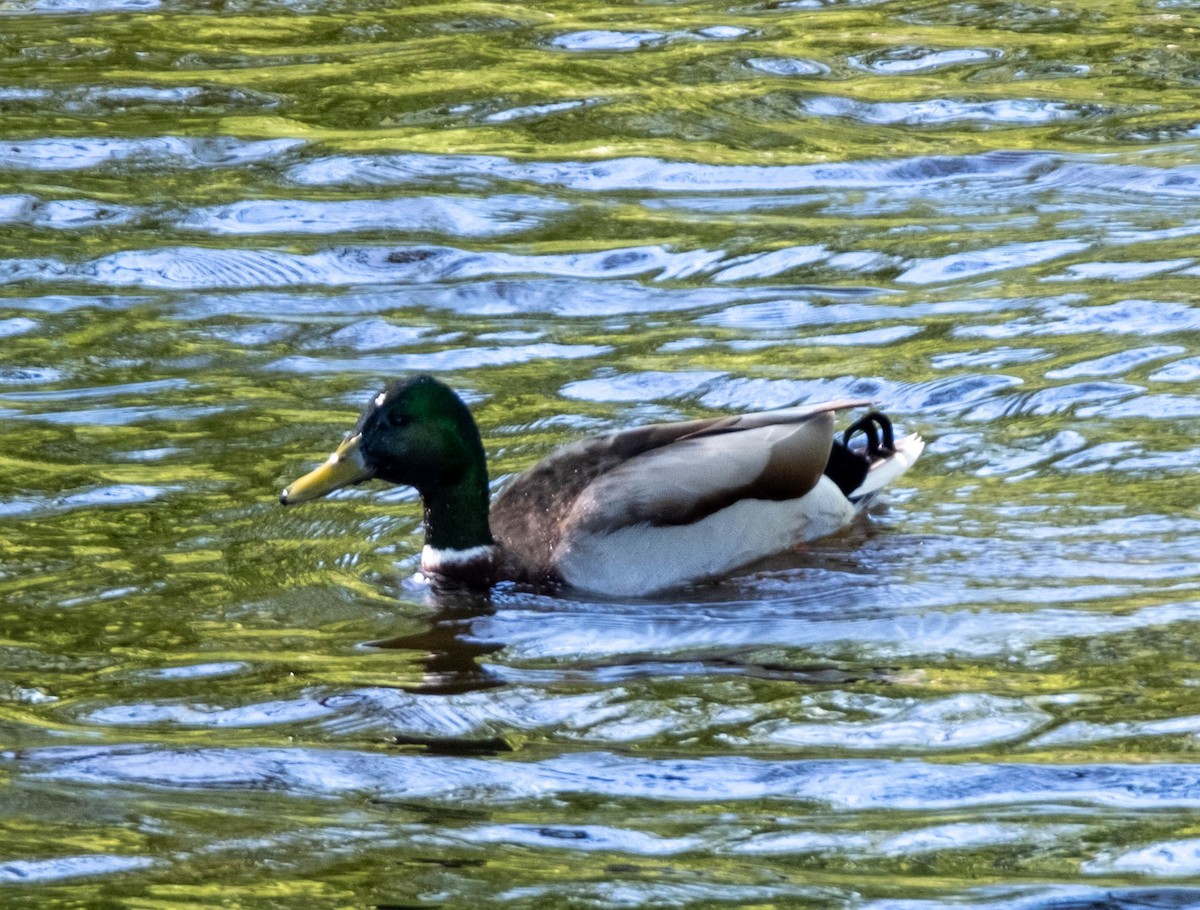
{"type": "Point", "coordinates": [115, 495]}
{"type": "Point", "coordinates": [916, 59]}
{"type": "Point", "coordinates": [1117, 364]}
{"type": "Point", "coordinates": [29, 375]}
{"type": "Point", "coordinates": [840, 785]}
{"type": "Point", "coordinates": [75, 154]}
{"type": "Point", "coordinates": [127, 415]}
{"type": "Point", "coordinates": [490, 217]}
{"type": "Point", "coordinates": [1136, 317]}
{"type": "Point", "coordinates": [1160, 407]}
{"type": "Point", "coordinates": [1119, 271]}
{"type": "Point", "coordinates": [788, 66]}
{"type": "Point", "coordinates": [457, 358]}
{"type": "Point", "coordinates": [109, 100]}
{"type": "Point", "coordinates": [1053, 400]}
{"type": "Point", "coordinates": [373, 335]}
{"type": "Point", "coordinates": [184, 268]}
{"type": "Point", "coordinates": [616, 715]}
{"type": "Point", "coordinates": [487, 298]}
{"type": "Point", "coordinates": [267, 713]}
{"type": "Point", "coordinates": [605, 40]}
{"type": "Point", "coordinates": [932, 633]}
{"type": "Point", "coordinates": [1186, 370]}
{"type": "Point", "coordinates": [65, 867]}
{"type": "Point", "coordinates": [116, 390]}
{"type": "Point", "coordinates": [76, 7]}
{"type": "Point", "coordinates": [66, 214]}
{"type": "Point", "coordinates": [1170, 859]}
{"type": "Point", "coordinates": [657, 175]}
{"type": "Point", "coordinates": [650, 385]}
{"type": "Point", "coordinates": [582, 837]}
{"type": "Point", "coordinates": [957, 266]}
{"type": "Point", "coordinates": [944, 111]}
{"type": "Point", "coordinates": [17, 325]}
{"type": "Point", "coordinates": [963, 721]}
{"type": "Point", "coordinates": [1092, 176]}
{"type": "Point", "coordinates": [1080, 732]}
{"type": "Point", "coordinates": [790, 312]}
{"type": "Point", "coordinates": [1052, 897]}
{"type": "Point", "coordinates": [538, 110]}
{"type": "Point", "coordinates": [187, 672]}
{"type": "Point", "coordinates": [948, 394]}
{"type": "Point", "coordinates": [616, 892]}
{"type": "Point", "coordinates": [765, 265]}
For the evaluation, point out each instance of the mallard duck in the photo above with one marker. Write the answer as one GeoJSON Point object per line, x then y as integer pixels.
{"type": "Point", "coordinates": [626, 513]}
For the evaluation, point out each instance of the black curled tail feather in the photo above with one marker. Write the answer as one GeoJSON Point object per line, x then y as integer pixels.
{"type": "Point", "coordinates": [877, 428]}
{"type": "Point", "coordinates": [848, 466]}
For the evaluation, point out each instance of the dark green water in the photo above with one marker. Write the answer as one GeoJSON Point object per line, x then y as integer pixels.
{"type": "Point", "coordinates": [223, 225]}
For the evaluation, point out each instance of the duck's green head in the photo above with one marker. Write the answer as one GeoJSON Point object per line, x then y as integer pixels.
{"type": "Point", "coordinates": [416, 432]}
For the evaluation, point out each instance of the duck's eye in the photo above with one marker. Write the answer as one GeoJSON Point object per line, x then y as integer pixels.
{"type": "Point", "coordinates": [395, 419]}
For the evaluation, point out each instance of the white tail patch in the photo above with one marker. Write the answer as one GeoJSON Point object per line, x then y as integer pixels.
{"type": "Point", "coordinates": [884, 471]}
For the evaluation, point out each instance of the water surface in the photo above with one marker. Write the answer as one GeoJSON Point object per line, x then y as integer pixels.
{"type": "Point", "coordinates": [224, 226]}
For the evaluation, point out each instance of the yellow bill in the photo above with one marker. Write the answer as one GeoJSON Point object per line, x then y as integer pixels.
{"type": "Point", "coordinates": [344, 467]}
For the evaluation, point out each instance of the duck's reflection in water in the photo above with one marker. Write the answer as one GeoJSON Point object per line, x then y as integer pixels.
{"type": "Point", "coordinates": [468, 626]}
{"type": "Point", "coordinates": [450, 650]}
